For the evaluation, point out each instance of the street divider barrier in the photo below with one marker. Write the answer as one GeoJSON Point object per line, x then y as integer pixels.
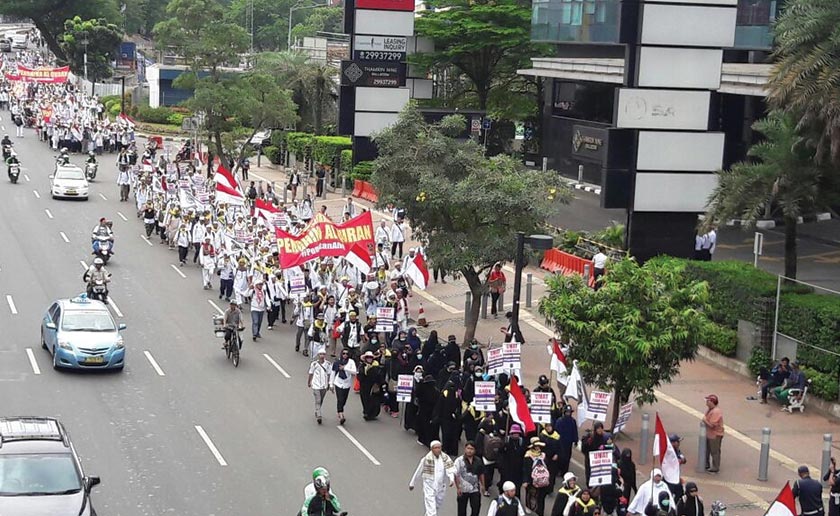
{"type": "Point", "coordinates": [364, 190]}
{"type": "Point", "coordinates": [557, 261]}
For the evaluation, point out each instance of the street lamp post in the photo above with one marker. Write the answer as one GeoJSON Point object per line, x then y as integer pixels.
{"type": "Point", "coordinates": [537, 242]}
{"type": "Point", "coordinates": [85, 43]}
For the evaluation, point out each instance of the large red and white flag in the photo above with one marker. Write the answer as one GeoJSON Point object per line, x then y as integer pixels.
{"type": "Point", "coordinates": [127, 121]}
{"type": "Point", "coordinates": [662, 448]}
{"type": "Point", "coordinates": [227, 187]}
{"type": "Point", "coordinates": [418, 272]}
{"type": "Point", "coordinates": [558, 362]}
{"type": "Point", "coordinates": [359, 258]}
{"type": "Point", "coordinates": [265, 210]}
{"type": "Point", "coordinates": [784, 504]}
{"type": "Point", "coordinates": [519, 410]}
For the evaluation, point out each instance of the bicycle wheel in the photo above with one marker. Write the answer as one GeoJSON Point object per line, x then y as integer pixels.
{"type": "Point", "coordinates": [236, 357]}
{"type": "Point", "coordinates": [227, 350]}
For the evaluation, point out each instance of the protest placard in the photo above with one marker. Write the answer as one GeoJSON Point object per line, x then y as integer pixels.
{"type": "Point", "coordinates": [512, 352]}
{"type": "Point", "coordinates": [600, 467]}
{"type": "Point", "coordinates": [623, 417]}
{"type": "Point", "coordinates": [385, 319]}
{"type": "Point", "coordinates": [405, 384]}
{"type": "Point", "coordinates": [485, 396]}
{"type": "Point", "coordinates": [541, 407]}
{"type": "Point", "coordinates": [495, 361]}
{"type": "Point", "coordinates": [598, 404]}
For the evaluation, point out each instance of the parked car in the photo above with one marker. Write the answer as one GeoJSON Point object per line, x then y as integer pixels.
{"type": "Point", "coordinates": [80, 333]}
{"type": "Point", "coordinates": [40, 472]}
{"type": "Point", "coordinates": [261, 139]}
{"type": "Point", "coordinates": [5, 45]}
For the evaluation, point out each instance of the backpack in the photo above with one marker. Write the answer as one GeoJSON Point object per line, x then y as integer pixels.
{"type": "Point", "coordinates": [539, 474]}
{"type": "Point", "coordinates": [492, 446]}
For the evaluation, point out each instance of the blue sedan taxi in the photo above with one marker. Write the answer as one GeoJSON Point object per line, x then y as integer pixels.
{"type": "Point", "coordinates": [80, 333]}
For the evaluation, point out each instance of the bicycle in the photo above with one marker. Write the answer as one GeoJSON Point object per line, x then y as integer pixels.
{"type": "Point", "coordinates": [232, 346]}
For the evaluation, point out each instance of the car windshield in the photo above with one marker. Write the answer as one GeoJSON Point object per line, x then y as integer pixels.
{"type": "Point", "coordinates": [70, 174]}
{"type": "Point", "coordinates": [87, 321]}
{"type": "Point", "coordinates": [29, 475]}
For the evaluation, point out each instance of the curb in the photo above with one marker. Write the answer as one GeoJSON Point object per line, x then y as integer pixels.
{"type": "Point", "coordinates": [775, 223]}
{"type": "Point", "coordinates": [583, 186]}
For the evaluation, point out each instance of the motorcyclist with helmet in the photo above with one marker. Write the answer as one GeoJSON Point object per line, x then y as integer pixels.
{"type": "Point", "coordinates": [319, 498]}
{"type": "Point", "coordinates": [91, 162]}
{"type": "Point", "coordinates": [11, 160]}
{"type": "Point", "coordinates": [63, 157]}
{"type": "Point", "coordinates": [91, 158]}
{"type": "Point", "coordinates": [96, 273]}
{"type": "Point", "coordinates": [6, 143]}
{"type": "Point", "coordinates": [102, 231]}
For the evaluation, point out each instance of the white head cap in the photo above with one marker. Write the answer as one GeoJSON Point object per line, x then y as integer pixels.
{"type": "Point", "coordinates": [435, 443]}
{"type": "Point", "coordinates": [508, 486]}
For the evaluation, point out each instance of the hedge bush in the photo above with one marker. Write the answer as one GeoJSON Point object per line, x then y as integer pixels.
{"type": "Point", "coordinates": [300, 144]}
{"type": "Point", "coordinates": [720, 338]}
{"type": "Point", "coordinates": [823, 385]}
{"type": "Point", "coordinates": [362, 171]}
{"type": "Point", "coordinates": [278, 139]}
{"type": "Point", "coordinates": [346, 161]}
{"type": "Point", "coordinates": [274, 154]}
{"type": "Point", "coordinates": [158, 115]}
{"type": "Point", "coordinates": [327, 149]}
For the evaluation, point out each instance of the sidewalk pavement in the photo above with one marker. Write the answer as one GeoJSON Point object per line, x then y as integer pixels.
{"type": "Point", "coordinates": [795, 439]}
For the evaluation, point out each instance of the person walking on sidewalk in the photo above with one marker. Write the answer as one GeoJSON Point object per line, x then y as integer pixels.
{"type": "Point", "coordinates": [497, 282]}
{"type": "Point", "coordinates": [713, 419]}
{"type": "Point", "coordinates": [319, 380]}
{"type": "Point", "coordinates": [397, 238]}
{"type": "Point", "coordinates": [809, 492]}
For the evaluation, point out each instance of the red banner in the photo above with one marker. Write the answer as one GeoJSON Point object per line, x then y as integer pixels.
{"type": "Point", "coordinates": [388, 5]}
{"type": "Point", "coordinates": [48, 75]}
{"type": "Point", "coordinates": [324, 238]}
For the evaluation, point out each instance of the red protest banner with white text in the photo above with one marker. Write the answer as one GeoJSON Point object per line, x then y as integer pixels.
{"type": "Point", "coordinates": [46, 75]}
{"type": "Point", "coordinates": [324, 238]}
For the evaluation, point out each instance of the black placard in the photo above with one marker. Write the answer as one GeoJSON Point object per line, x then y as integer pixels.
{"type": "Point", "coordinates": [380, 74]}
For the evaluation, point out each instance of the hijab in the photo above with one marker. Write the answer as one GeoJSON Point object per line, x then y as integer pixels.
{"type": "Point", "coordinates": [431, 344]}
{"type": "Point", "coordinates": [413, 339]}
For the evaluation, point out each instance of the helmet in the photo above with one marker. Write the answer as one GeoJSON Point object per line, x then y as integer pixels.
{"type": "Point", "coordinates": [321, 482]}
{"type": "Point", "coordinates": [98, 261]}
{"type": "Point", "coordinates": [64, 150]}
{"type": "Point", "coordinates": [320, 472]}
{"type": "Point", "coordinates": [91, 153]}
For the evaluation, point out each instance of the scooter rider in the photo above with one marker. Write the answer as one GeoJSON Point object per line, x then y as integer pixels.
{"type": "Point", "coordinates": [11, 160]}
{"type": "Point", "coordinates": [6, 143]}
{"type": "Point", "coordinates": [64, 157]}
{"type": "Point", "coordinates": [97, 272]}
{"type": "Point", "coordinates": [91, 158]}
{"type": "Point", "coordinates": [101, 231]}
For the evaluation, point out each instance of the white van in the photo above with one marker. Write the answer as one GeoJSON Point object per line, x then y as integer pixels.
{"type": "Point", "coordinates": [19, 41]}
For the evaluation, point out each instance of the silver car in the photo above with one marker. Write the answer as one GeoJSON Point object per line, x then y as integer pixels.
{"type": "Point", "coordinates": [69, 181]}
{"type": "Point", "coordinates": [80, 333]}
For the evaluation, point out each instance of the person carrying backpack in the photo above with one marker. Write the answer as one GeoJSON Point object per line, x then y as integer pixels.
{"type": "Point", "coordinates": [536, 477]}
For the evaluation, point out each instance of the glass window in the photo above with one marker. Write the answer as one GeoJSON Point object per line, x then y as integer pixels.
{"type": "Point", "coordinates": [594, 21]}
{"type": "Point", "coordinates": [22, 475]}
{"type": "Point", "coordinates": [87, 321]}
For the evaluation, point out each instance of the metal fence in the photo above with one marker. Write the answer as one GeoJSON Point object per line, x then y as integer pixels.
{"type": "Point", "coordinates": [101, 89]}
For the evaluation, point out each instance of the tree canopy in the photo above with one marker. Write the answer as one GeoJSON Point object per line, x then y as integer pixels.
{"type": "Point", "coordinates": [629, 336]}
{"type": "Point", "coordinates": [103, 40]}
{"type": "Point", "coordinates": [466, 207]}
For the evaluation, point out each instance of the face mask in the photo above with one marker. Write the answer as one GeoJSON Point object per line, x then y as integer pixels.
{"type": "Point", "coordinates": [402, 339]}
{"type": "Point", "coordinates": [474, 345]}
{"type": "Point", "coordinates": [479, 374]}
{"type": "Point", "coordinates": [418, 376]}
{"type": "Point", "coordinates": [419, 356]}
{"type": "Point", "coordinates": [374, 341]}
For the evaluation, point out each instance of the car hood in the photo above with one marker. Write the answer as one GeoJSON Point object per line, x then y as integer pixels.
{"type": "Point", "coordinates": [70, 182]}
{"type": "Point", "coordinates": [90, 340]}
{"type": "Point", "coordinates": [57, 505]}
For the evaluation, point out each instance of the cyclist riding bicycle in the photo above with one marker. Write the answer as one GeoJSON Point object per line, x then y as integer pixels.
{"type": "Point", "coordinates": [232, 323]}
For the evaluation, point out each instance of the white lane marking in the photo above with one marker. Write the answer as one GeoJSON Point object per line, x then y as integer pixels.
{"type": "Point", "coordinates": [48, 212]}
{"type": "Point", "coordinates": [359, 446]}
{"type": "Point", "coordinates": [209, 443]}
{"type": "Point", "coordinates": [32, 361]}
{"type": "Point", "coordinates": [103, 197]}
{"type": "Point", "coordinates": [12, 306]}
{"type": "Point", "coordinates": [144, 237]}
{"type": "Point", "coordinates": [122, 216]}
{"type": "Point", "coordinates": [64, 237]}
{"type": "Point", "coordinates": [37, 195]}
{"type": "Point", "coordinates": [26, 176]}
{"type": "Point", "coordinates": [154, 363]}
{"type": "Point", "coordinates": [178, 271]}
{"type": "Point", "coordinates": [276, 366]}
{"type": "Point", "coordinates": [83, 264]}
{"type": "Point", "coordinates": [222, 312]}
{"type": "Point", "coordinates": [114, 306]}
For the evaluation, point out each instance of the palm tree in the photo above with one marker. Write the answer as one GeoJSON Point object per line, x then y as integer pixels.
{"type": "Point", "coordinates": [782, 178]}
{"type": "Point", "coordinates": [806, 76]}
{"type": "Point", "coordinates": [314, 83]}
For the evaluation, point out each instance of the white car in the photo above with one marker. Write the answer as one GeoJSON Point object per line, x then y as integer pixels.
{"type": "Point", "coordinates": [69, 181]}
{"type": "Point", "coordinates": [19, 41]}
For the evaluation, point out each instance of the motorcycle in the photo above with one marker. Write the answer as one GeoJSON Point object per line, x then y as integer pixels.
{"type": "Point", "coordinates": [102, 248]}
{"type": "Point", "coordinates": [98, 290]}
{"type": "Point", "coordinates": [90, 171]}
{"type": "Point", "coordinates": [14, 172]}
{"type": "Point", "coordinates": [7, 151]}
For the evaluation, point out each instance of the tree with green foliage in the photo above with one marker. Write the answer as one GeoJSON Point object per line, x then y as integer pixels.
{"type": "Point", "coordinates": [313, 82]}
{"type": "Point", "coordinates": [805, 80]}
{"type": "Point", "coordinates": [141, 16]}
{"type": "Point", "coordinates": [781, 178]}
{"type": "Point", "coordinates": [196, 31]}
{"type": "Point", "coordinates": [49, 16]}
{"type": "Point", "coordinates": [629, 336]}
{"type": "Point", "coordinates": [271, 21]}
{"type": "Point", "coordinates": [467, 208]}
{"type": "Point", "coordinates": [327, 19]}
{"type": "Point", "coordinates": [98, 38]}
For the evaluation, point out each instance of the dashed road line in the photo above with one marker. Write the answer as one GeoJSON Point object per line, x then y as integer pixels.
{"type": "Point", "coordinates": [114, 306]}
{"type": "Point", "coordinates": [174, 268]}
{"type": "Point", "coordinates": [64, 237]}
{"type": "Point", "coordinates": [210, 445]}
{"type": "Point", "coordinates": [32, 361]}
{"type": "Point", "coordinates": [276, 366]}
{"type": "Point", "coordinates": [146, 239]}
{"type": "Point", "coordinates": [122, 216]}
{"type": "Point", "coordinates": [26, 176]}
{"type": "Point", "coordinates": [358, 445]}
{"type": "Point", "coordinates": [48, 212]}
{"type": "Point", "coordinates": [154, 363]}
{"type": "Point", "coordinates": [103, 197]}
{"type": "Point", "coordinates": [36, 194]}
{"type": "Point", "coordinates": [221, 312]}
{"type": "Point", "coordinates": [83, 264]}
{"type": "Point", "coordinates": [12, 306]}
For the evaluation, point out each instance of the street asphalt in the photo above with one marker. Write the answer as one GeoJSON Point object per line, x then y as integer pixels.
{"type": "Point", "coordinates": [143, 430]}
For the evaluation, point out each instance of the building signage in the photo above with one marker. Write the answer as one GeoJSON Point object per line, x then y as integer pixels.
{"type": "Point", "coordinates": [379, 48]}
{"type": "Point", "coordinates": [387, 5]}
{"type": "Point", "coordinates": [663, 109]}
{"type": "Point", "coordinates": [381, 74]}
{"type": "Point", "coordinates": [589, 143]}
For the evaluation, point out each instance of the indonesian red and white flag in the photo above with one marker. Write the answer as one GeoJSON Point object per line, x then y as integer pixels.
{"type": "Point", "coordinates": [519, 410]}
{"type": "Point", "coordinates": [265, 210]}
{"type": "Point", "coordinates": [227, 188]}
{"type": "Point", "coordinates": [359, 258]}
{"type": "Point", "coordinates": [558, 362]}
{"type": "Point", "coordinates": [418, 272]}
{"type": "Point", "coordinates": [662, 448]}
{"type": "Point", "coordinates": [127, 120]}
{"type": "Point", "coordinates": [784, 504]}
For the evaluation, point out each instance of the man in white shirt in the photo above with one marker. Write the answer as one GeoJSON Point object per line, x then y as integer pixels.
{"type": "Point", "coordinates": [599, 264]}
{"type": "Point", "coordinates": [319, 380]}
{"type": "Point", "coordinates": [709, 244]}
{"type": "Point", "coordinates": [397, 238]}
{"type": "Point", "coordinates": [508, 499]}
{"type": "Point", "coordinates": [382, 235]}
